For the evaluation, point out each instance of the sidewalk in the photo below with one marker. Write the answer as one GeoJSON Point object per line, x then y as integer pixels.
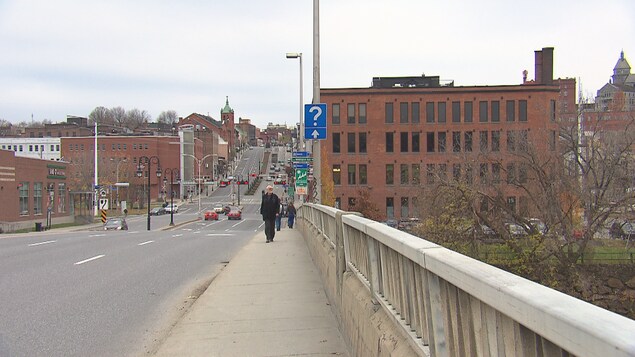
{"type": "Point", "coordinates": [268, 301]}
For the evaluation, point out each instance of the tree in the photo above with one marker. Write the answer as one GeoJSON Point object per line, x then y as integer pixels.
{"type": "Point", "coordinates": [119, 116]}
{"type": "Point", "coordinates": [365, 205]}
{"type": "Point", "coordinates": [328, 187]}
{"type": "Point", "coordinates": [168, 117]}
{"type": "Point", "coordinates": [136, 118]}
{"type": "Point", "coordinates": [101, 115]}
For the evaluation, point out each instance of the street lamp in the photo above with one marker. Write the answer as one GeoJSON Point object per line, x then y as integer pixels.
{"type": "Point", "coordinates": [148, 160]}
{"type": "Point", "coordinates": [117, 175]}
{"type": "Point", "coordinates": [165, 180]}
{"type": "Point", "coordinates": [292, 55]}
{"type": "Point", "coordinates": [199, 162]}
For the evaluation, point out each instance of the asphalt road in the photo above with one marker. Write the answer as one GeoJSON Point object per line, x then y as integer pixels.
{"type": "Point", "coordinates": [97, 293]}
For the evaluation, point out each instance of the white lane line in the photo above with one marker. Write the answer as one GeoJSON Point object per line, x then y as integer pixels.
{"type": "Point", "coordinates": [187, 229]}
{"type": "Point", "coordinates": [97, 235]}
{"type": "Point", "coordinates": [47, 242]}
{"type": "Point", "coordinates": [144, 243]}
{"type": "Point", "coordinates": [176, 235]}
{"type": "Point", "coordinates": [219, 235]}
{"type": "Point", "coordinates": [133, 232]}
{"type": "Point", "coordinates": [237, 223]}
{"type": "Point", "coordinates": [90, 259]}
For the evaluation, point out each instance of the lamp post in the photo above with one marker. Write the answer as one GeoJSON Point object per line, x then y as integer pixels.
{"type": "Point", "coordinates": [117, 175]}
{"type": "Point", "coordinates": [292, 55]}
{"type": "Point", "coordinates": [199, 162]}
{"type": "Point", "coordinates": [148, 160]}
{"type": "Point", "coordinates": [165, 180]}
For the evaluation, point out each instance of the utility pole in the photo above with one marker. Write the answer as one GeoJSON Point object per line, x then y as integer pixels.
{"type": "Point", "coordinates": [317, 170]}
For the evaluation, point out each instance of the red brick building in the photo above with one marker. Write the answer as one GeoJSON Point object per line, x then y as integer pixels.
{"type": "Point", "coordinates": [30, 189]}
{"type": "Point", "coordinates": [118, 161]}
{"type": "Point", "coordinates": [396, 136]}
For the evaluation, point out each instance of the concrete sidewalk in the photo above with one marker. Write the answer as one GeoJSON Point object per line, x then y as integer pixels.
{"type": "Point", "coordinates": [268, 301]}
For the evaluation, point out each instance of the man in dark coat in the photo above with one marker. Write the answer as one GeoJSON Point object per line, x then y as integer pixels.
{"type": "Point", "coordinates": [270, 208]}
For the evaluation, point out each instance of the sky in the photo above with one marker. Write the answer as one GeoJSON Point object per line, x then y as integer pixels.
{"type": "Point", "coordinates": [66, 57]}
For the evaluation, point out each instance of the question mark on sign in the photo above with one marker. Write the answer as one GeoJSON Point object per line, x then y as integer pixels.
{"type": "Point", "coordinates": [318, 112]}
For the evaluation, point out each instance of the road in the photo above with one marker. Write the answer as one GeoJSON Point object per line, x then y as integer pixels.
{"type": "Point", "coordinates": [89, 293]}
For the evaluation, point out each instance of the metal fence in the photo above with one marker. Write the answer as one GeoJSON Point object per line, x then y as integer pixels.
{"type": "Point", "coordinates": [453, 305]}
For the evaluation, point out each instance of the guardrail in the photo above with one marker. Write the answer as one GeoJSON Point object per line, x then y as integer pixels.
{"type": "Point", "coordinates": [453, 305]}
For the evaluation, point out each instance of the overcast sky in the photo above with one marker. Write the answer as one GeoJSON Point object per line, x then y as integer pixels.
{"type": "Point", "coordinates": [69, 56]}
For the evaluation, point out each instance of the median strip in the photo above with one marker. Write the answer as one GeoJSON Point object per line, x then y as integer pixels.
{"type": "Point", "coordinates": [90, 259]}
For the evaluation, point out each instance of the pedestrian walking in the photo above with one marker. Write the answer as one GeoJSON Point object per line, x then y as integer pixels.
{"type": "Point", "coordinates": [279, 217]}
{"type": "Point", "coordinates": [291, 213]}
{"type": "Point", "coordinates": [269, 209]}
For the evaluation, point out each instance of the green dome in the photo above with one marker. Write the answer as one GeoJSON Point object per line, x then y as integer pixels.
{"type": "Point", "coordinates": [227, 109]}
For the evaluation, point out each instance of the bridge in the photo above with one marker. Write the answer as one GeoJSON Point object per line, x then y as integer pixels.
{"type": "Point", "coordinates": [394, 294]}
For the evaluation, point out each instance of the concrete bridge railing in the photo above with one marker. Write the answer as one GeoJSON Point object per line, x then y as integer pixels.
{"type": "Point", "coordinates": [397, 294]}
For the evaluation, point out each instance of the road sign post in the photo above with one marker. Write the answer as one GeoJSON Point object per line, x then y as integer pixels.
{"type": "Point", "coordinates": [315, 121]}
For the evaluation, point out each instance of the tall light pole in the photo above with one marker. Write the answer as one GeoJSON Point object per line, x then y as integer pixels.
{"type": "Point", "coordinates": [117, 176]}
{"type": "Point", "coordinates": [301, 145]}
{"type": "Point", "coordinates": [148, 160]}
{"type": "Point", "coordinates": [165, 180]}
{"type": "Point", "coordinates": [317, 169]}
{"type": "Point", "coordinates": [199, 162]}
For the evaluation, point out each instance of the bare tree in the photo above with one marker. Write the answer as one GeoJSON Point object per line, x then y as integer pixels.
{"type": "Point", "coordinates": [136, 118]}
{"type": "Point", "coordinates": [168, 117]}
{"type": "Point", "coordinates": [119, 116]}
{"type": "Point", "coordinates": [100, 115]}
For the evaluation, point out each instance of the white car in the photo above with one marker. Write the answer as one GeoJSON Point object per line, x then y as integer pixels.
{"type": "Point", "coordinates": [218, 208]}
{"type": "Point", "coordinates": [172, 208]}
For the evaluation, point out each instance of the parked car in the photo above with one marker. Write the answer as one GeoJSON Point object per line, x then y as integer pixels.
{"type": "Point", "coordinates": [211, 215]}
{"type": "Point", "coordinates": [624, 230]}
{"type": "Point", "coordinates": [172, 208]}
{"type": "Point", "coordinates": [116, 224]}
{"type": "Point", "coordinates": [157, 211]}
{"type": "Point", "coordinates": [218, 208]}
{"type": "Point", "coordinates": [516, 230]}
{"type": "Point", "coordinates": [234, 213]}
{"type": "Point", "coordinates": [391, 223]}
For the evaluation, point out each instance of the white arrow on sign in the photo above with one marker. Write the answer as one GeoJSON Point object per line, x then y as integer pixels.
{"type": "Point", "coordinates": [315, 134]}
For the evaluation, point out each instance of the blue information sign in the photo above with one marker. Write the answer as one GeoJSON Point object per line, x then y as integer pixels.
{"type": "Point", "coordinates": [300, 166]}
{"type": "Point", "coordinates": [300, 154]}
{"type": "Point", "coordinates": [315, 121]}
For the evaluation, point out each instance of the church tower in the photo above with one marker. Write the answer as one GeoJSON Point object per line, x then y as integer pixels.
{"type": "Point", "coordinates": [227, 121]}
{"type": "Point", "coordinates": [621, 71]}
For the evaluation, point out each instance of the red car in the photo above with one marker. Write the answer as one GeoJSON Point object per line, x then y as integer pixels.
{"type": "Point", "coordinates": [234, 213]}
{"type": "Point", "coordinates": [211, 215]}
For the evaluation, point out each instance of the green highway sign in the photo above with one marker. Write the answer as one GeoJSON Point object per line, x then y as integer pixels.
{"type": "Point", "coordinates": [301, 177]}
{"type": "Point", "coordinates": [302, 159]}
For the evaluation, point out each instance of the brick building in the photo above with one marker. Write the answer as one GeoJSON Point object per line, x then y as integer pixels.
{"type": "Point", "coordinates": [30, 189]}
{"type": "Point", "coordinates": [119, 160]}
{"type": "Point", "coordinates": [395, 137]}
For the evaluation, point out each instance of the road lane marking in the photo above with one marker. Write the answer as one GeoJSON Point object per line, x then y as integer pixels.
{"type": "Point", "coordinates": [47, 242]}
{"type": "Point", "coordinates": [187, 229]}
{"type": "Point", "coordinates": [97, 235]}
{"type": "Point", "coordinates": [218, 234]}
{"type": "Point", "coordinates": [176, 235]}
{"type": "Point", "coordinates": [237, 224]}
{"type": "Point", "coordinates": [90, 259]}
{"type": "Point", "coordinates": [144, 243]}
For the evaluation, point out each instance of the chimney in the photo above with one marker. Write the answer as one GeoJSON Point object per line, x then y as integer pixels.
{"type": "Point", "coordinates": [538, 67]}
{"type": "Point", "coordinates": [547, 65]}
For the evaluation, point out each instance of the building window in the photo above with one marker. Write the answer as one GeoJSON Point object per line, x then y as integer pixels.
{"type": "Point", "coordinates": [523, 141]}
{"type": "Point", "coordinates": [61, 197]}
{"type": "Point", "coordinates": [522, 110]}
{"type": "Point", "coordinates": [430, 112]}
{"type": "Point", "coordinates": [37, 198]}
{"type": "Point", "coordinates": [390, 142]}
{"type": "Point", "coordinates": [496, 173]}
{"type": "Point", "coordinates": [483, 141]}
{"type": "Point", "coordinates": [442, 112]}
{"type": "Point", "coordinates": [337, 174]}
{"type": "Point", "coordinates": [416, 174]}
{"type": "Point", "coordinates": [468, 141]}
{"type": "Point", "coordinates": [113, 147]}
{"type": "Point", "coordinates": [511, 140]}
{"type": "Point", "coordinates": [24, 198]}
{"type": "Point", "coordinates": [134, 146]}
{"type": "Point", "coordinates": [350, 113]}
{"type": "Point", "coordinates": [443, 172]}
{"type": "Point", "coordinates": [456, 112]}
{"type": "Point", "coordinates": [456, 172]}
{"type": "Point", "coordinates": [403, 113]}
{"type": "Point", "coordinates": [125, 146]}
{"type": "Point", "coordinates": [482, 112]}
{"type": "Point", "coordinates": [404, 207]}
{"type": "Point", "coordinates": [336, 143]}
{"type": "Point", "coordinates": [552, 110]}
{"type": "Point", "coordinates": [363, 174]}
{"type": "Point", "coordinates": [414, 107]}
{"type": "Point", "coordinates": [484, 173]}
{"type": "Point", "coordinates": [390, 174]}
{"type": "Point", "coordinates": [351, 174]}
{"type": "Point", "coordinates": [145, 146]}
{"type": "Point", "coordinates": [468, 110]}
{"type": "Point", "coordinates": [351, 203]}
{"type": "Point", "coordinates": [469, 174]}
{"type": "Point", "coordinates": [351, 143]}
{"type": "Point", "coordinates": [496, 141]}
{"type": "Point", "coordinates": [441, 136]}
{"type": "Point", "coordinates": [389, 114]}
{"type": "Point", "coordinates": [522, 173]}
{"type": "Point", "coordinates": [404, 176]}
{"type": "Point", "coordinates": [362, 142]}
{"type": "Point", "coordinates": [511, 111]}
{"type": "Point", "coordinates": [30, 148]}
{"type": "Point", "coordinates": [415, 142]}
{"type": "Point", "coordinates": [430, 142]}
{"type": "Point", "coordinates": [390, 207]}
{"type": "Point", "coordinates": [511, 173]}
{"type": "Point", "coordinates": [496, 111]}
{"type": "Point", "coordinates": [456, 141]}
{"type": "Point", "coordinates": [403, 142]}
{"type": "Point", "coordinates": [511, 204]}
{"type": "Point", "coordinates": [552, 140]}
{"type": "Point", "coordinates": [335, 116]}
{"type": "Point", "coordinates": [430, 174]}
{"type": "Point", "coordinates": [362, 113]}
